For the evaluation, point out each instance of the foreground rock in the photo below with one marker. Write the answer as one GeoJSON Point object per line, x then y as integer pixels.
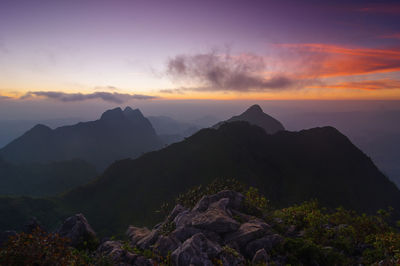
{"type": "Point", "coordinates": [217, 231]}
{"type": "Point", "coordinates": [77, 229]}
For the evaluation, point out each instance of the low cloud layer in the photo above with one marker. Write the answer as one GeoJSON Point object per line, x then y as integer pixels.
{"type": "Point", "coordinates": [76, 97]}
{"type": "Point", "coordinates": [214, 72]}
{"type": "Point", "coordinates": [4, 97]}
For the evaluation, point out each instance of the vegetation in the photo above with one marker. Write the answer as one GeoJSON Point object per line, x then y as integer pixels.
{"type": "Point", "coordinates": [289, 167]}
{"type": "Point", "coordinates": [335, 237]}
{"type": "Point", "coordinates": [314, 234]}
{"type": "Point", "coordinates": [40, 248]}
{"type": "Point", "coordinates": [311, 235]}
{"type": "Point", "coordinates": [47, 179]}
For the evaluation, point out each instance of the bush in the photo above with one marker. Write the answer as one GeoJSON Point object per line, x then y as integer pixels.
{"type": "Point", "coordinates": [40, 248]}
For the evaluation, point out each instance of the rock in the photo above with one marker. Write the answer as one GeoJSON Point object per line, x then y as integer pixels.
{"type": "Point", "coordinates": [77, 229]}
{"type": "Point", "coordinates": [184, 232]}
{"type": "Point", "coordinates": [166, 244]}
{"type": "Point", "coordinates": [216, 218]}
{"type": "Point", "coordinates": [136, 233]}
{"type": "Point", "coordinates": [32, 225]}
{"type": "Point", "coordinates": [184, 218]}
{"type": "Point", "coordinates": [114, 251]}
{"type": "Point", "coordinates": [260, 258]}
{"type": "Point", "coordinates": [5, 236]}
{"type": "Point", "coordinates": [230, 256]}
{"type": "Point", "coordinates": [142, 261]}
{"type": "Point", "coordinates": [148, 240]}
{"type": "Point", "coordinates": [177, 210]}
{"type": "Point", "coordinates": [247, 232]}
{"type": "Point", "coordinates": [267, 242]}
{"type": "Point", "coordinates": [291, 231]}
{"type": "Point", "coordinates": [235, 200]}
{"type": "Point", "coordinates": [197, 250]}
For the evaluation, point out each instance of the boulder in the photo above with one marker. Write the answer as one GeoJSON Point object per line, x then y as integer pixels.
{"type": "Point", "coordinates": [177, 210]}
{"type": "Point", "coordinates": [216, 218]}
{"type": "Point", "coordinates": [267, 242]}
{"type": "Point", "coordinates": [119, 256]}
{"type": "Point", "coordinates": [230, 256]}
{"type": "Point", "coordinates": [184, 232]}
{"type": "Point", "coordinates": [260, 258]}
{"type": "Point", "coordinates": [148, 240]}
{"type": "Point", "coordinates": [235, 200]}
{"type": "Point", "coordinates": [137, 233]}
{"type": "Point", "coordinates": [184, 218]}
{"type": "Point", "coordinates": [166, 244]}
{"type": "Point", "coordinates": [197, 250]}
{"type": "Point", "coordinates": [77, 229]}
{"type": "Point", "coordinates": [247, 232]}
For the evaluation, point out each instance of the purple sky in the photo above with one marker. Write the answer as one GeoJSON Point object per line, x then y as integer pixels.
{"type": "Point", "coordinates": [321, 49]}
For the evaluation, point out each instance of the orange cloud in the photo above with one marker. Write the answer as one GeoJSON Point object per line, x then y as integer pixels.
{"type": "Point", "coordinates": [381, 84]}
{"type": "Point", "coordinates": [324, 60]}
{"type": "Point", "coordinates": [387, 9]}
{"type": "Point", "coordinates": [391, 36]}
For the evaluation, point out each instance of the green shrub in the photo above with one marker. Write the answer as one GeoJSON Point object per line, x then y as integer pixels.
{"type": "Point", "coordinates": [40, 248]}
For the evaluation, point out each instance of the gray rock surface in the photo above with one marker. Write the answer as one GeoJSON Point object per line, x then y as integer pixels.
{"type": "Point", "coordinates": [197, 250]}
{"type": "Point", "coordinates": [78, 230]}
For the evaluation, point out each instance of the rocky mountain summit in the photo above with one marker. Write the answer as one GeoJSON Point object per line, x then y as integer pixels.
{"type": "Point", "coordinates": [216, 231]}
{"type": "Point", "coordinates": [118, 134]}
{"type": "Point", "coordinates": [254, 115]}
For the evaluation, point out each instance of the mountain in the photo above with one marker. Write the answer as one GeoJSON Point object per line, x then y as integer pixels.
{"type": "Point", "coordinates": [255, 116]}
{"type": "Point", "coordinates": [116, 135]}
{"type": "Point", "coordinates": [11, 129]}
{"type": "Point", "coordinates": [287, 167]}
{"type": "Point", "coordinates": [171, 130]}
{"type": "Point", "coordinates": [37, 179]}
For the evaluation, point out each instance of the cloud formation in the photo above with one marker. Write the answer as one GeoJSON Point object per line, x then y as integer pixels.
{"type": "Point", "coordinates": [2, 97]}
{"type": "Point", "coordinates": [76, 97]}
{"type": "Point", "coordinates": [214, 72]}
{"type": "Point", "coordinates": [380, 84]}
{"type": "Point", "coordinates": [326, 60]}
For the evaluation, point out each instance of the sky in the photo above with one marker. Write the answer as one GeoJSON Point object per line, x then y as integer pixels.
{"type": "Point", "coordinates": [81, 52]}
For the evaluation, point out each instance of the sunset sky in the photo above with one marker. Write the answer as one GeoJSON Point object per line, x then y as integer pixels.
{"type": "Point", "coordinates": [120, 51]}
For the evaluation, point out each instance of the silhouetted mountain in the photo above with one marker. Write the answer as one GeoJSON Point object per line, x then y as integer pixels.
{"type": "Point", "coordinates": [43, 179]}
{"type": "Point", "coordinates": [255, 116]}
{"type": "Point", "coordinates": [288, 167]}
{"type": "Point", "coordinates": [171, 130]}
{"type": "Point", "coordinates": [116, 135]}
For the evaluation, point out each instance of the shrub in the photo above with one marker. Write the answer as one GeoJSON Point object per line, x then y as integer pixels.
{"type": "Point", "coordinates": [40, 248]}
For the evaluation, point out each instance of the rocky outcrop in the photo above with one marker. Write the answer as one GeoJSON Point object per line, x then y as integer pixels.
{"type": "Point", "coordinates": [77, 229]}
{"type": "Point", "coordinates": [216, 231]}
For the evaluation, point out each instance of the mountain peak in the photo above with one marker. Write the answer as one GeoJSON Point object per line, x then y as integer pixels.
{"type": "Point", "coordinates": [255, 116]}
{"type": "Point", "coordinates": [254, 109]}
{"type": "Point", "coordinates": [128, 111]}
{"type": "Point", "coordinates": [112, 114]}
{"type": "Point", "coordinates": [40, 129]}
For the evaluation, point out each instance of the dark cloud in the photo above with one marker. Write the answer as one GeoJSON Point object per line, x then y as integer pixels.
{"type": "Point", "coordinates": [4, 97]}
{"type": "Point", "coordinates": [75, 97]}
{"type": "Point", "coordinates": [216, 72]}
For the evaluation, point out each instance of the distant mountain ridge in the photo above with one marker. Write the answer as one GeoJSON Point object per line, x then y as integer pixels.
{"type": "Point", "coordinates": [49, 179]}
{"type": "Point", "coordinates": [118, 134]}
{"type": "Point", "coordinates": [288, 167]}
{"type": "Point", "coordinates": [255, 116]}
